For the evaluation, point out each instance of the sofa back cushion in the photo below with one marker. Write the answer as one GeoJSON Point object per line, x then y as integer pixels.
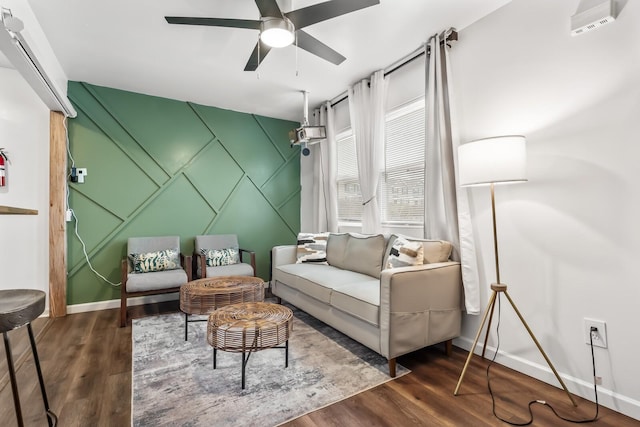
{"type": "Point", "coordinates": [336, 247]}
{"type": "Point", "coordinates": [362, 254]}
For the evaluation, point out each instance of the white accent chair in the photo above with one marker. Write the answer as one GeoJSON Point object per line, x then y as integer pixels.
{"type": "Point", "coordinates": [222, 241]}
{"type": "Point", "coordinates": [152, 283]}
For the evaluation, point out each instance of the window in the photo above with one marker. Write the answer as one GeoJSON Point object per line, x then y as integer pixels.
{"type": "Point", "coordinates": [401, 192]}
{"type": "Point", "coordinates": [401, 188]}
{"type": "Point", "coordinates": [349, 196]}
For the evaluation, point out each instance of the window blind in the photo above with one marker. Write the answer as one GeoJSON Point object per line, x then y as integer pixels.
{"type": "Point", "coordinates": [401, 188]}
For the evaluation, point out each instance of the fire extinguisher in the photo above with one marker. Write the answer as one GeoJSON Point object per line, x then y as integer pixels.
{"type": "Point", "coordinates": [4, 161]}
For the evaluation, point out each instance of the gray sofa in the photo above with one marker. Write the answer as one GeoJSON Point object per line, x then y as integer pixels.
{"type": "Point", "coordinates": [393, 311]}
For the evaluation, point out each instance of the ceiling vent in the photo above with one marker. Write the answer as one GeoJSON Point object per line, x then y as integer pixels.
{"type": "Point", "coordinates": [592, 14]}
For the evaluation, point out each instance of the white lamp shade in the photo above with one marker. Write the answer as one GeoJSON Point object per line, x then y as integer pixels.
{"type": "Point", "coordinates": [277, 32]}
{"type": "Point", "coordinates": [492, 160]}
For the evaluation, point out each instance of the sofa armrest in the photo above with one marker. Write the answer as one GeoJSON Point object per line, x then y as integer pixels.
{"type": "Point", "coordinates": [252, 258]}
{"type": "Point", "coordinates": [419, 306]}
{"type": "Point", "coordinates": [283, 255]}
{"type": "Point", "coordinates": [187, 264]}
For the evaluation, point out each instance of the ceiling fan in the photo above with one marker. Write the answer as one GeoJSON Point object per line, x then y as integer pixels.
{"type": "Point", "coordinates": [279, 29]}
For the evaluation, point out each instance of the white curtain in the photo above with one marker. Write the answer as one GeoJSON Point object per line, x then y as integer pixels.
{"type": "Point", "coordinates": [447, 214]}
{"type": "Point", "coordinates": [325, 161]}
{"type": "Point", "coordinates": [367, 110]}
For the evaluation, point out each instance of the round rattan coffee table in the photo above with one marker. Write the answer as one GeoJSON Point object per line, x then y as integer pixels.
{"type": "Point", "coordinates": [203, 296]}
{"type": "Point", "coordinates": [250, 327]}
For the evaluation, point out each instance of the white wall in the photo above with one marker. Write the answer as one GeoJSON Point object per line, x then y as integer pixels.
{"type": "Point", "coordinates": [24, 133]}
{"type": "Point", "coordinates": [569, 237]}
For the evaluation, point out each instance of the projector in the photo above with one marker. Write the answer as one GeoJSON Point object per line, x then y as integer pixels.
{"type": "Point", "coordinates": [592, 14]}
{"type": "Point", "coordinates": [307, 134]}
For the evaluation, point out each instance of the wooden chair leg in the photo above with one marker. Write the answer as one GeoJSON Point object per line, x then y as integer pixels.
{"type": "Point", "coordinates": [448, 347]}
{"type": "Point", "coordinates": [392, 367]}
{"type": "Point", "coordinates": [123, 307]}
{"type": "Point", "coordinates": [124, 272]}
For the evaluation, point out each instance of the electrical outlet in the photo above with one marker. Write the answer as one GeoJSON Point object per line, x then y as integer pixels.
{"type": "Point", "coordinates": [599, 336]}
{"type": "Point", "coordinates": [81, 173]}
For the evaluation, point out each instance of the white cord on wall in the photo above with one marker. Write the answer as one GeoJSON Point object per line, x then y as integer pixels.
{"type": "Point", "coordinates": [73, 214]}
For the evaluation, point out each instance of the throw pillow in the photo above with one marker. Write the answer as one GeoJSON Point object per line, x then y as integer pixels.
{"type": "Point", "coordinates": [219, 257]}
{"type": "Point", "coordinates": [312, 248]}
{"type": "Point", "coordinates": [166, 259]}
{"type": "Point", "coordinates": [405, 253]}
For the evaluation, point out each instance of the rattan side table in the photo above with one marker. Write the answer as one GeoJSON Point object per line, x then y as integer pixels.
{"type": "Point", "coordinates": [250, 327]}
{"type": "Point", "coordinates": [203, 296]}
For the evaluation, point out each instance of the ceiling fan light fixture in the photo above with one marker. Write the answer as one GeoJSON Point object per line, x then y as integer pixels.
{"type": "Point", "coordinates": [277, 32]}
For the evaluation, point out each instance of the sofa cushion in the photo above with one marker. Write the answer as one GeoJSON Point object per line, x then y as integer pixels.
{"type": "Point", "coordinates": [239, 269]}
{"type": "Point", "coordinates": [312, 248]}
{"type": "Point", "coordinates": [137, 282]}
{"type": "Point", "coordinates": [318, 281]}
{"type": "Point", "coordinates": [359, 299]}
{"type": "Point", "coordinates": [359, 253]}
{"type": "Point", "coordinates": [364, 254]}
{"type": "Point", "coordinates": [293, 276]}
{"type": "Point", "coordinates": [336, 247]}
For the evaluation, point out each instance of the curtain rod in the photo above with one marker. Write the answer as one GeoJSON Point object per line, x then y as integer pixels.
{"type": "Point", "coordinates": [451, 35]}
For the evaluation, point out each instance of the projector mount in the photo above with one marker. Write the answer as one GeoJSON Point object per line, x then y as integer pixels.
{"type": "Point", "coordinates": [306, 135]}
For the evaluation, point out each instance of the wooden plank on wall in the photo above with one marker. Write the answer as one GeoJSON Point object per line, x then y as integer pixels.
{"type": "Point", "coordinates": [10, 210]}
{"type": "Point", "coordinates": [57, 208]}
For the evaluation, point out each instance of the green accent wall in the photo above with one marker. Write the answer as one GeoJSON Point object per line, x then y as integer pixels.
{"type": "Point", "coordinates": [158, 167]}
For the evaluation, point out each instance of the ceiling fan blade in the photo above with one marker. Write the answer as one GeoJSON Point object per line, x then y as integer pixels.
{"type": "Point", "coordinates": [315, 46]}
{"type": "Point", "coordinates": [268, 8]}
{"type": "Point", "coordinates": [252, 63]}
{"type": "Point", "coordinates": [322, 11]}
{"type": "Point", "coordinates": [215, 22]}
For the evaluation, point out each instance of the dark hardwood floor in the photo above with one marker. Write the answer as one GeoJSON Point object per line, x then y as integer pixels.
{"type": "Point", "coordinates": [86, 361]}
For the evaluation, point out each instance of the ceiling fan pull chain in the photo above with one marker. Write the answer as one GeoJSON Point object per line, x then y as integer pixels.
{"type": "Point", "coordinates": [257, 70]}
{"type": "Point", "coordinates": [296, 33]}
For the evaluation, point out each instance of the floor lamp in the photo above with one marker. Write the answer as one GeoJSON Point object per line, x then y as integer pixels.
{"type": "Point", "coordinates": [492, 161]}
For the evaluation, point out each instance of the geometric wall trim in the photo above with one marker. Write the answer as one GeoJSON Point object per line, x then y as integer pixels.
{"type": "Point", "coordinates": [159, 167]}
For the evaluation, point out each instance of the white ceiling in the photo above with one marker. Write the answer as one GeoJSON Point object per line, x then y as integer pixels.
{"type": "Point", "coordinates": [128, 45]}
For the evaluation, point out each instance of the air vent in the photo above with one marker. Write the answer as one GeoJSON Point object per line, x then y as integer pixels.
{"type": "Point", "coordinates": [592, 14]}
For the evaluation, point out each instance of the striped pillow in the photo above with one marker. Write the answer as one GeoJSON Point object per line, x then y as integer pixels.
{"type": "Point", "coordinates": [220, 257]}
{"type": "Point", "coordinates": [312, 248]}
{"type": "Point", "coordinates": [166, 259]}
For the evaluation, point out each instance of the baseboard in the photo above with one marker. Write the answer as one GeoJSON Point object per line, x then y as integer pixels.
{"type": "Point", "coordinates": [606, 397]}
{"type": "Point", "coordinates": [115, 303]}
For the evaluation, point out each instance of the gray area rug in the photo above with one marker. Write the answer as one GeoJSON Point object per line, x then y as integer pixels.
{"type": "Point", "coordinates": [174, 382]}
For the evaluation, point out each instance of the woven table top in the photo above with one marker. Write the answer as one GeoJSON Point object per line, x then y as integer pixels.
{"type": "Point", "coordinates": [249, 326]}
{"type": "Point", "coordinates": [202, 296]}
